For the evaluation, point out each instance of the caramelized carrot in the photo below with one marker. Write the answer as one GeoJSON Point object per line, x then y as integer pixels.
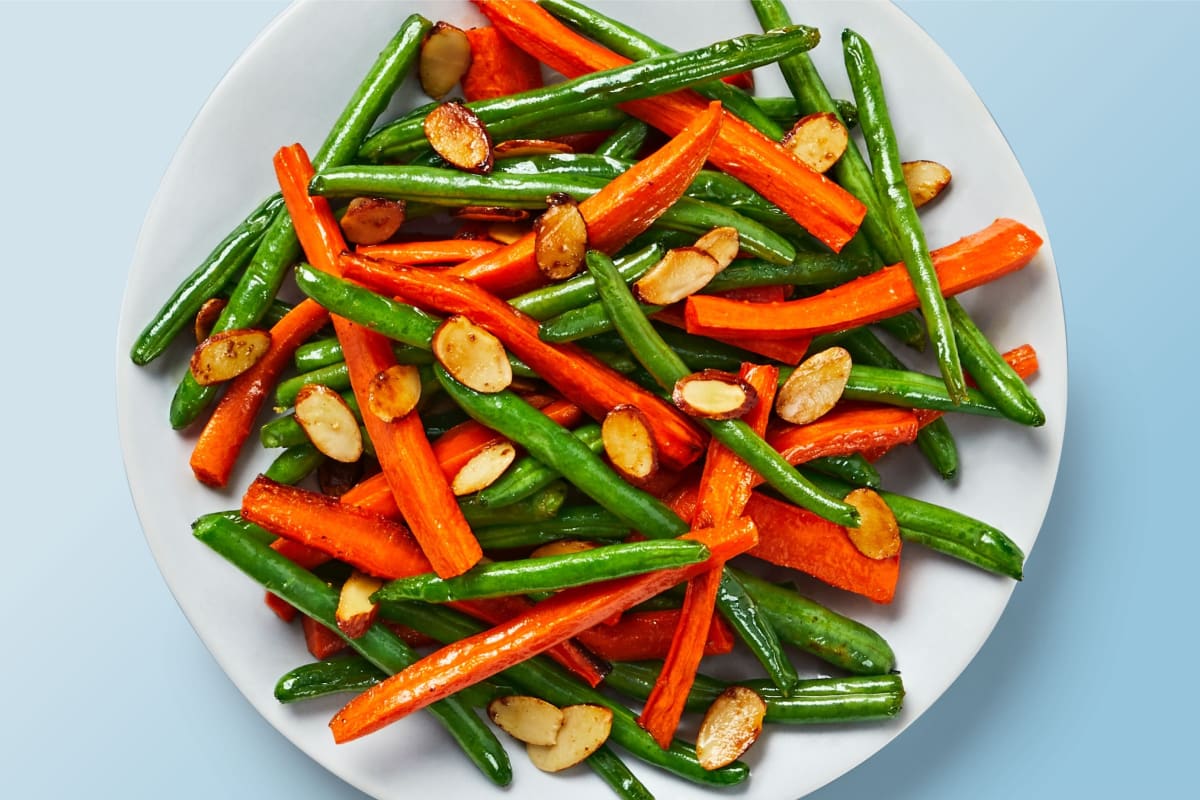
{"type": "Point", "coordinates": [789, 351]}
{"type": "Point", "coordinates": [498, 67]}
{"type": "Point", "coordinates": [849, 428]}
{"type": "Point", "coordinates": [640, 635]}
{"type": "Point", "coordinates": [445, 251]}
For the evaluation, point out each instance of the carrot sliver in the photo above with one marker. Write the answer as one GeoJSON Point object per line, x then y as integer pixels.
{"type": "Point", "coordinates": [320, 641]}
{"type": "Point", "coordinates": [789, 351]}
{"type": "Point", "coordinates": [641, 635]}
{"type": "Point", "coordinates": [843, 431]}
{"type": "Point", "coordinates": [498, 67]}
{"type": "Point", "coordinates": [446, 251]}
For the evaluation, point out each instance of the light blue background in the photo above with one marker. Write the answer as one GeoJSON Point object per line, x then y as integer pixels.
{"type": "Point", "coordinates": [1084, 690]}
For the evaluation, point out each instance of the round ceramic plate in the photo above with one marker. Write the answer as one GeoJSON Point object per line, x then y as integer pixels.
{"type": "Point", "coordinates": [290, 85]}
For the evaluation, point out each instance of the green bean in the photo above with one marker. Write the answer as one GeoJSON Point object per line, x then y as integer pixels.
{"type": "Point", "coordinates": [786, 111]}
{"type": "Point", "coordinates": [626, 141]}
{"type": "Point", "coordinates": [907, 328]}
{"type": "Point", "coordinates": [312, 596]}
{"type": "Point", "coordinates": [588, 320]}
{"type": "Point", "coordinates": [612, 770]}
{"type": "Point", "coordinates": [286, 431]}
{"type": "Point", "coordinates": [351, 673]}
{"type": "Point", "coordinates": [295, 464]}
{"type": "Point", "coordinates": [991, 372]}
{"type": "Point", "coordinates": [580, 290]}
{"type": "Point", "coordinates": [911, 390]}
{"type": "Point", "coordinates": [547, 573]}
{"type": "Point", "coordinates": [279, 248]}
{"type": "Point", "coordinates": [335, 376]}
{"type": "Point", "coordinates": [324, 352]}
{"type": "Point", "coordinates": [607, 88]}
{"type": "Point", "coordinates": [528, 475]}
{"type": "Point", "coordinates": [539, 677]}
{"type": "Point", "coordinates": [579, 522]}
{"type": "Point", "coordinates": [852, 468]}
{"type": "Point", "coordinates": [542, 506]}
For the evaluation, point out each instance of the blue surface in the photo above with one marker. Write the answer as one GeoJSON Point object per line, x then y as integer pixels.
{"type": "Point", "coordinates": [108, 693]}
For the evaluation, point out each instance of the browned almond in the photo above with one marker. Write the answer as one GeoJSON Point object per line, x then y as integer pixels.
{"type": "Point", "coordinates": [563, 547]}
{"type": "Point", "coordinates": [445, 58]}
{"type": "Point", "coordinates": [474, 357]}
{"type": "Point", "coordinates": [458, 136]}
{"type": "Point", "coordinates": [483, 469]}
{"type": "Point", "coordinates": [878, 534]}
{"type": "Point", "coordinates": [818, 140]}
{"type": "Point", "coordinates": [713, 394]}
{"type": "Point", "coordinates": [329, 422]}
{"type": "Point", "coordinates": [528, 719]}
{"type": "Point", "coordinates": [371, 220]}
{"type": "Point", "coordinates": [228, 354]}
{"type": "Point", "coordinates": [629, 442]}
{"type": "Point", "coordinates": [681, 272]}
{"type": "Point", "coordinates": [584, 729]}
{"type": "Point", "coordinates": [355, 611]}
{"type": "Point", "coordinates": [814, 387]}
{"type": "Point", "coordinates": [335, 478]}
{"type": "Point", "coordinates": [720, 243]}
{"type": "Point", "coordinates": [514, 148]}
{"type": "Point", "coordinates": [491, 214]}
{"type": "Point", "coordinates": [925, 180]}
{"type": "Point", "coordinates": [207, 316]}
{"type": "Point", "coordinates": [731, 724]}
{"type": "Point", "coordinates": [394, 392]}
{"type": "Point", "coordinates": [560, 239]}
{"type": "Point", "coordinates": [508, 232]}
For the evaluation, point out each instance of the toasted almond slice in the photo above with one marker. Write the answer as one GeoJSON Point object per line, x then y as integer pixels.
{"type": "Point", "coordinates": [584, 729]}
{"type": "Point", "coordinates": [483, 469]}
{"type": "Point", "coordinates": [814, 387]}
{"type": "Point", "coordinates": [207, 316]}
{"type": "Point", "coordinates": [878, 534]}
{"type": "Point", "coordinates": [681, 272]}
{"type": "Point", "coordinates": [731, 724]}
{"type": "Point", "coordinates": [818, 140]}
{"type": "Point", "coordinates": [528, 719]}
{"type": "Point", "coordinates": [563, 547]}
{"type": "Point", "coordinates": [445, 58]}
{"type": "Point", "coordinates": [394, 392]}
{"type": "Point", "coordinates": [560, 238]}
{"type": "Point", "coordinates": [329, 422]}
{"type": "Point", "coordinates": [355, 611]}
{"type": "Point", "coordinates": [514, 148]}
{"type": "Point", "coordinates": [491, 214]}
{"type": "Point", "coordinates": [508, 232]}
{"type": "Point", "coordinates": [335, 478]}
{"type": "Point", "coordinates": [228, 354]}
{"type": "Point", "coordinates": [458, 136]}
{"type": "Point", "coordinates": [925, 180]}
{"type": "Point", "coordinates": [722, 244]}
{"type": "Point", "coordinates": [473, 356]}
{"type": "Point", "coordinates": [713, 394]}
{"type": "Point", "coordinates": [629, 442]}
{"type": "Point", "coordinates": [371, 220]}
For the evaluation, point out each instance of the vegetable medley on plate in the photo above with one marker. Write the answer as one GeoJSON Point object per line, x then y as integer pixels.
{"type": "Point", "coordinates": [580, 370]}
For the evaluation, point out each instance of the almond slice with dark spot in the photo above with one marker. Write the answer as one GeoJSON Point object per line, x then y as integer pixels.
{"type": "Point", "coordinates": [207, 317]}
{"type": "Point", "coordinates": [584, 729]}
{"type": "Point", "coordinates": [482, 470]}
{"type": "Point", "coordinates": [878, 534]}
{"type": "Point", "coordinates": [814, 387]}
{"type": "Point", "coordinates": [472, 356]}
{"type": "Point", "coordinates": [722, 244]}
{"type": "Point", "coordinates": [460, 137]}
{"type": "Point", "coordinates": [223, 356]}
{"type": "Point", "coordinates": [818, 140]}
{"type": "Point", "coordinates": [713, 394]}
{"type": "Point", "coordinates": [681, 273]}
{"type": "Point", "coordinates": [732, 723]}
{"type": "Point", "coordinates": [445, 58]}
{"type": "Point", "coordinates": [524, 148]}
{"type": "Point", "coordinates": [394, 392]}
{"type": "Point", "coordinates": [355, 611]}
{"type": "Point", "coordinates": [560, 238]}
{"type": "Point", "coordinates": [629, 442]}
{"type": "Point", "coordinates": [329, 422]}
{"type": "Point", "coordinates": [371, 220]}
{"type": "Point", "coordinates": [925, 180]}
{"type": "Point", "coordinates": [527, 719]}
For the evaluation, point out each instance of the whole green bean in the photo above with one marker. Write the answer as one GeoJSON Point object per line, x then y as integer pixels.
{"type": "Point", "coordinates": [626, 141]}
{"type": "Point", "coordinates": [528, 475]}
{"type": "Point", "coordinates": [852, 468]}
{"type": "Point", "coordinates": [312, 596]}
{"type": "Point", "coordinates": [559, 297]}
{"type": "Point", "coordinates": [612, 770]}
{"type": "Point", "coordinates": [295, 464]}
{"type": "Point", "coordinates": [578, 522]}
{"type": "Point", "coordinates": [992, 374]}
{"type": "Point", "coordinates": [912, 390]}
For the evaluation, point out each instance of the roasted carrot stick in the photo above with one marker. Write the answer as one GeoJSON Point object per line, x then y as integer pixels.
{"type": "Point", "coordinates": [1001, 248]}
{"type": "Point", "coordinates": [445, 251]}
{"type": "Point", "coordinates": [478, 657]}
{"type": "Point", "coordinates": [789, 351]}
{"type": "Point", "coordinates": [640, 635]}
{"type": "Point", "coordinates": [847, 429]}
{"type": "Point", "coordinates": [498, 67]}
{"type": "Point", "coordinates": [826, 210]}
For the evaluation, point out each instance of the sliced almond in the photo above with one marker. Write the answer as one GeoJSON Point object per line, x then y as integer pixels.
{"type": "Point", "coordinates": [560, 238]}
{"type": "Point", "coordinates": [329, 422]}
{"type": "Point", "coordinates": [818, 140]}
{"type": "Point", "coordinates": [394, 392]}
{"type": "Point", "coordinates": [491, 214]}
{"type": "Point", "coordinates": [722, 244]}
{"type": "Point", "coordinates": [445, 58]}
{"type": "Point", "coordinates": [474, 357]}
{"type": "Point", "coordinates": [355, 611]}
{"type": "Point", "coordinates": [335, 478]}
{"type": "Point", "coordinates": [925, 180]}
{"type": "Point", "coordinates": [207, 317]}
{"type": "Point", "coordinates": [524, 148]}
{"type": "Point", "coordinates": [629, 442]}
{"type": "Point", "coordinates": [814, 387]}
{"type": "Point", "coordinates": [371, 220]}
{"type": "Point", "coordinates": [563, 547]}
{"type": "Point", "coordinates": [528, 719]}
{"type": "Point", "coordinates": [483, 469]}
{"type": "Point", "coordinates": [878, 534]}
{"type": "Point", "coordinates": [458, 136]}
{"type": "Point", "coordinates": [228, 354]}
{"type": "Point", "coordinates": [508, 232]}
{"type": "Point", "coordinates": [681, 273]}
{"type": "Point", "coordinates": [584, 729]}
{"type": "Point", "coordinates": [713, 394]}
{"type": "Point", "coordinates": [731, 724]}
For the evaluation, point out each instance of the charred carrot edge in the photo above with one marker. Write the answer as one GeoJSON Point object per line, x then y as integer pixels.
{"type": "Point", "coordinates": [844, 430]}
{"type": "Point", "coordinates": [498, 67]}
{"type": "Point", "coordinates": [571, 370]}
{"type": "Point", "coordinates": [551, 621]}
{"type": "Point", "coordinates": [446, 251]}
{"type": "Point", "coordinates": [217, 449]}
{"type": "Point", "coordinates": [789, 351]}
{"type": "Point", "coordinates": [466, 440]}
{"type": "Point", "coordinates": [725, 486]}
{"type": "Point", "coordinates": [642, 635]}
{"type": "Point", "coordinates": [827, 211]}
{"type": "Point", "coordinates": [624, 208]}
{"type": "Point", "coordinates": [401, 447]}
{"type": "Point", "coordinates": [1003, 247]}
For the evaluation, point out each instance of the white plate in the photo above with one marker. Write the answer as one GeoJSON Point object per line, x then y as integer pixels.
{"type": "Point", "coordinates": [289, 86]}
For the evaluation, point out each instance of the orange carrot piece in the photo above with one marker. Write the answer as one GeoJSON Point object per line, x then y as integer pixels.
{"type": "Point", "coordinates": [446, 251]}
{"type": "Point", "coordinates": [320, 641]}
{"type": "Point", "coordinates": [641, 635]}
{"type": "Point", "coordinates": [571, 370]}
{"type": "Point", "coordinates": [229, 427]}
{"type": "Point", "coordinates": [282, 608]}
{"type": "Point", "coordinates": [1001, 248]}
{"type": "Point", "coordinates": [848, 428]}
{"type": "Point", "coordinates": [478, 657]}
{"type": "Point", "coordinates": [789, 351]}
{"type": "Point", "coordinates": [624, 208]}
{"type": "Point", "coordinates": [826, 210]}
{"type": "Point", "coordinates": [498, 67]}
